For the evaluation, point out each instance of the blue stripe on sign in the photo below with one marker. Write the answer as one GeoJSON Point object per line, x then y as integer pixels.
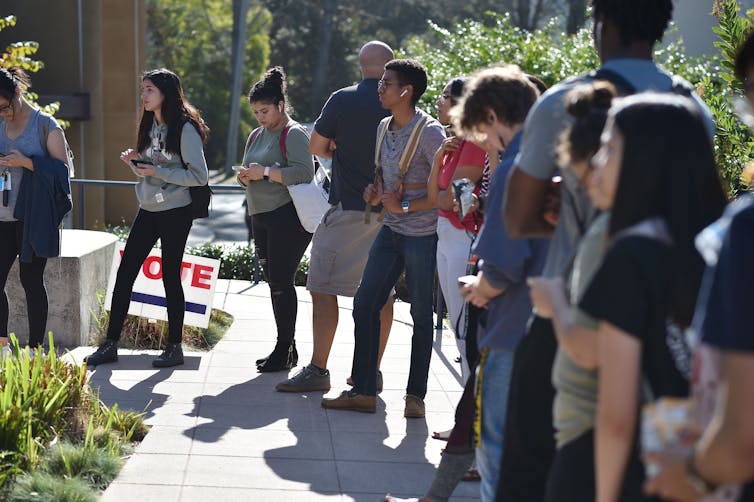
{"type": "Point", "coordinates": [196, 308]}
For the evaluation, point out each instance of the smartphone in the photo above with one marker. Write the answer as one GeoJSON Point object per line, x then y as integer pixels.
{"type": "Point", "coordinates": [136, 162]}
{"type": "Point", "coordinates": [238, 169]}
{"type": "Point", "coordinates": [465, 280]}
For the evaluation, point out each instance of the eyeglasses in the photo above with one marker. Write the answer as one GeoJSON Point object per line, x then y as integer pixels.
{"type": "Point", "coordinates": [5, 108]}
{"type": "Point", "coordinates": [382, 84]}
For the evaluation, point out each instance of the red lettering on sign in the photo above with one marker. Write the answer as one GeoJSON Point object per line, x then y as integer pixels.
{"type": "Point", "coordinates": [201, 277]}
{"type": "Point", "coordinates": [147, 268]}
{"type": "Point", "coordinates": [184, 268]}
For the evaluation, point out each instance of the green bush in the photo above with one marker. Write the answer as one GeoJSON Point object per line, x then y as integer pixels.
{"type": "Point", "coordinates": [554, 56]}
{"type": "Point", "coordinates": [43, 487]}
{"type": "Point", "coordinates": [94, 465]}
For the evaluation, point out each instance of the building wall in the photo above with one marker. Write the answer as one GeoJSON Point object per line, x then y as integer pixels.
{"type": "Point", "coordinates": [101, 55]}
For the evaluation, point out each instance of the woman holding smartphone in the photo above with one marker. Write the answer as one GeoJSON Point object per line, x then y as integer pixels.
{"type": "Point", "coordinates": [23, 149]}
{"type": "Point", "coordinates": [270, 165]}
{"type": "Point", "coordinates": [168, 159]}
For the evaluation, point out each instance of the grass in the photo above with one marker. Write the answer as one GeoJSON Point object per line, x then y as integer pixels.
{"type": "Point", "coordinates": [58, 441]}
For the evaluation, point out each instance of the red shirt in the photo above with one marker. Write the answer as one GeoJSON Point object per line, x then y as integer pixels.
{"type": "Point", "coordinates": [468, 154]}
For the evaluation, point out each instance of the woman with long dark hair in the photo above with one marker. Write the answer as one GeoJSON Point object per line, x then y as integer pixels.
{"type": "Point", "coordinates": [277, 155]}
{"type": "Point", "coordinates": [22, 147]}
{"type": "Point", "coordinates": [168, 159]}
{"type": "Point", "coordinates": [656, 165]}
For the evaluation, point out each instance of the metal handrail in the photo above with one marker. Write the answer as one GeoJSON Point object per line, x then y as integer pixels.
{"type": "Point", "coordinates": [82, 183]}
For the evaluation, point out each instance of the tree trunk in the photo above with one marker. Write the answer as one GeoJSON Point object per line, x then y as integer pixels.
{"type": "Point", "coordinates": [523, 10]}
{"type": "Point", "coordinates": [319, 82]}
{"type": "Point", "coordinates": [576, 15]}
{"type": "Point", "coordinates": [238, 53]}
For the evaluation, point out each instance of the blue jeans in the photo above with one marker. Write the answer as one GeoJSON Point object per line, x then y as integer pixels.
{"type": "Point", "coordinates": [496, 377]}
{"type": "Point", "coordinates": [390, 254]}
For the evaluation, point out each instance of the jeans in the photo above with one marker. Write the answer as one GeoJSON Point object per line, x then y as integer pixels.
{"type": "Point", "coordinates": [32, 280]}
{"type": "Point", "coordinates": [496, 377]}
{"type": "Point", "coordinates": [172, 228]}
{"type": "Point", "coordinates": [530, 437]}
{"type": "Point", "coordinates": [280, 242]}
{"type": "Point", "coordinates": [390, 254]}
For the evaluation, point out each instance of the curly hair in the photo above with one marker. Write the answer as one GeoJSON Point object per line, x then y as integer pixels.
{"type": "Point", "coordinates": [505, 89]}
{"type": "Point", "coordinates": [637, 20]}
{"type": "Point", "coordinates": [410, 72]}
{"type": "Point", "coordinates": [11, 80]}
{"type": "Point", "coordinates": [272, 89]}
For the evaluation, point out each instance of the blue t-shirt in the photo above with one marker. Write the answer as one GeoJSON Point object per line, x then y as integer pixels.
{"type": "Point", "coordinates": [722, 315]}
{"type": "Point", "coordinates": [506, 263]}
{"type": "Point", "coordinates": [350, 117]}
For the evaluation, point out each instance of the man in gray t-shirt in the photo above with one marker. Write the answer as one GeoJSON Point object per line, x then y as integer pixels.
{"type": "Point", "coordinates": [407, 240]}
{"type": "Point", "coordinates": [624, 40]}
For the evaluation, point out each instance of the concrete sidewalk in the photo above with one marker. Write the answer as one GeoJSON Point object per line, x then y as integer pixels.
{"type": "Point", "coordinates": [221, 432]}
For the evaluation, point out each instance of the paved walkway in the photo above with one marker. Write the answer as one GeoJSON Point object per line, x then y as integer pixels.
{"type": "Point", "coordinates": [221, 432]}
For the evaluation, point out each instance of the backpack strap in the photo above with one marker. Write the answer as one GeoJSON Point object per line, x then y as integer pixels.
{"type": "Point", "coordinates": [283, 138]}
{"type": "Point", "coordinates": [410, 151]}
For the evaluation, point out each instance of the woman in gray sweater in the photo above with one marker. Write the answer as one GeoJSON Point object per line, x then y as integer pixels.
{"type": "Point", "coordinates": [168, 159]}
{"type": "Point", "coordinates": [277, 155]}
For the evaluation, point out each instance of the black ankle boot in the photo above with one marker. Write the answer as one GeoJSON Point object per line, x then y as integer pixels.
{"type": "Point", "coordinates": [283, 357]}
{"type": "Point", "coordinates": [105, 353]}
{"type": "Point", "coordinates": [171, 356]}
{"type": "Point", "coordinates": [261, 361]}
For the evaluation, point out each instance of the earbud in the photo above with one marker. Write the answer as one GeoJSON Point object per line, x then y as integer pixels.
{"type": "Point", "coordinates": [280, 108]}
{"type": "Point", "coordinates": [404, 92]}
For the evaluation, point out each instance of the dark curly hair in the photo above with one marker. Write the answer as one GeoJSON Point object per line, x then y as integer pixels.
{"type": "Point", "coordinates": [410, 72]}
{"type": "Point", "coordinates": [176, 111]}
{"type": "Point", "coordinates": [272, 89]}
{"type": "Point", "coordinates": [637, 20]}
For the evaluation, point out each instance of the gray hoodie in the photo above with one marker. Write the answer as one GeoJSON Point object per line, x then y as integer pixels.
{"type": "Point", "coordinates": [169, 187]}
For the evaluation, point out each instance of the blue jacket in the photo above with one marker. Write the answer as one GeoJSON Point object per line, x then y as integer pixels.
{"type": "Point", "coordinates": [44, 198]}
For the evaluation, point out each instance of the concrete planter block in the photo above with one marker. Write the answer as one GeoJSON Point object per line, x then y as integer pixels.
{"type": "Point", "coordinates": [72, 282]}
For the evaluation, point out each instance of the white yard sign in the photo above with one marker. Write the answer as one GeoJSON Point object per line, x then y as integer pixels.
{"type": "Point", "coordinates": [198, 277]}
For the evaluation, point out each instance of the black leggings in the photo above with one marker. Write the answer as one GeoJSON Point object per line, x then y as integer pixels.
{"type": "Point", "coordinates": [32, 280]}
{"type": "Point", "coordinates": [280, 242]}
{"type": "Point", "coordinates": [172, 228]}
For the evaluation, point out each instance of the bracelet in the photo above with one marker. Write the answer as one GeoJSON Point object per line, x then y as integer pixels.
{"type": "Point", "coordinates": [695, 477]}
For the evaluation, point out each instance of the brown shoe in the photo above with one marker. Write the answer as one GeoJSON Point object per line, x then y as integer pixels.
{"type": "Point", "coordinates": [414, 407]}
{"type": "Point", "coordinates": [348, 400]}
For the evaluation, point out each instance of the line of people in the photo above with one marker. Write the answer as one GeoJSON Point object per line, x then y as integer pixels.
{"type": "Point", "coordinates": [608, 275]}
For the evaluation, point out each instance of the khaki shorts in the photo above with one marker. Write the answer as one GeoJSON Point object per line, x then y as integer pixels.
{"type": "Point", "coordinates": [340, 248]}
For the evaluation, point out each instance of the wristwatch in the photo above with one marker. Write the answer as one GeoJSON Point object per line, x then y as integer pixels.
{"type": "Point", "coordinates": [695, 478]}
{"type": "Point", "coordinates": [405, 205]}
{"type": "Point", "coordinates": [267, 173]}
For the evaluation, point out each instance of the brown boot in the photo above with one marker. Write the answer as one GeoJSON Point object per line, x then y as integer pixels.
{"type": "Point", "coordinates": [349, 400]}
{"type": "Point", "coordinates": [414, 407]}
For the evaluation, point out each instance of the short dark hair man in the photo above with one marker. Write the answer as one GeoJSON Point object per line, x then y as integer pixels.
{"type": "Point", "coordinates": [407, 239]}
{"type": "Point", "coordinates": [624, 35]}
{"type": "Point", "coordinates": [344, 132]}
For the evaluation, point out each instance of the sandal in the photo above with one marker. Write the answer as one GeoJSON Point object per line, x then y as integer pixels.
{"type": "Point", "coordinates": [471, 475]}
{"type": "Point", "coordinates": [442, 436]}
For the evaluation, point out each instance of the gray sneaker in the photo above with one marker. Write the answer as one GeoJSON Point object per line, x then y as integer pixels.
{"type": "Point", "coordinates": [307, 380]}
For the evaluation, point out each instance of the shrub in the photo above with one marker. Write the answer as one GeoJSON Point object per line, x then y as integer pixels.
{"type": "Point", "coordinates": [95, 466]}
{"type": "Point", "coordinates": [44, 487]}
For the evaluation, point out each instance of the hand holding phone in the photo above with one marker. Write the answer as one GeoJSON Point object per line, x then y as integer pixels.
{"type": "Point", "coordinates": [238, 169]}
{"type": "Point", "coordinates": [136, 162]}
{"type": "Point", "coordinates": [466, 280]}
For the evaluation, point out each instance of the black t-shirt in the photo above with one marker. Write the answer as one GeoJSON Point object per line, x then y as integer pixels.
{"type": "Point", "coordinates": [631, 291]}
{"type": "Point", "coordinates": [725, 299]}
{"type": "Point", "coordinates": [350, 117]}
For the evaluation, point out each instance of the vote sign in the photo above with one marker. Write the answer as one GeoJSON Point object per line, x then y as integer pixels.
{"type": "Point", "coordinates": [198, 278]}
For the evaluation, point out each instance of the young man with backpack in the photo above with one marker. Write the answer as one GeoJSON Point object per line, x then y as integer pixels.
{"type": "Point", "coordinates": [406, 144]}
{"type": "Point", "coordinates": [624, 35]}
